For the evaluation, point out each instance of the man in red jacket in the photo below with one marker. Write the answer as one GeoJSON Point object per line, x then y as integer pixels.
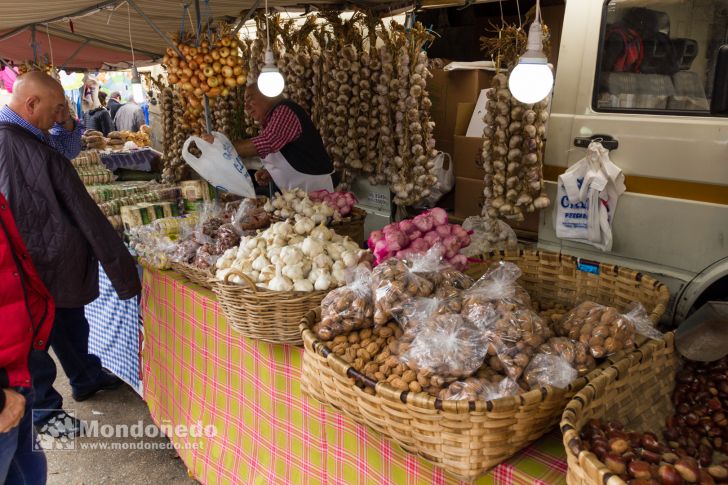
{"type": "Point", "coordinates": [26, 316]}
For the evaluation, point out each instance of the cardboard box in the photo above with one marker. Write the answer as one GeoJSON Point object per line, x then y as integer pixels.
{"type": "Point", "coordinates": [466, 150]}
{"type": "Point", "coordinates": [446, 90]}
{"type": "Point", "coordinates": [468, 196]}
{"type": "Point", "coordinates": [477, 123]}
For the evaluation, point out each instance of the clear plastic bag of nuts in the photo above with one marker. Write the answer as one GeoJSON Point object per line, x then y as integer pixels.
{"type": "Point", "coordinates": [393, 284]}
{"type": "Point", "coordinates": [575, 353]}
{"type": "Point", "coordinates": [448, 346]}
{"type": "Point", "coordinates": [549, 370]}
{"type": "Point", "coordinates": [496, 288]}
{"type": "Point", "coordinates": [603, 329]}
{"type": "Point", "coordinates": [348, 308]}
{"type": "Point", "coordinates": [416, 312]}
{"type": "Point", "coordinates": [514, 336]}
{"type": "Point", "coordinates": [486, 384]}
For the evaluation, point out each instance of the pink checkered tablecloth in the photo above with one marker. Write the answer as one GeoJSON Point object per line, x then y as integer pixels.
{"type": "Point", "coordinates": [196, 370]}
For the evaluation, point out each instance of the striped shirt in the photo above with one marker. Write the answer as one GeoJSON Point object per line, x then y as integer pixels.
{"type": "Point", "coordinates": [68, 143]}
{"type": "Point", "coordinates": [280, 128]}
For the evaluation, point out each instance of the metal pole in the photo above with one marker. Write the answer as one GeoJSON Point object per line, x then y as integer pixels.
{"type": "Point", "coordinates": [155, 28]}
{"type": "Point", "coordinates": [199, 22]}
{"type": "Point", "coordinates": [247, 17]}
{"type": "Point", "coordinates": [33, 44]}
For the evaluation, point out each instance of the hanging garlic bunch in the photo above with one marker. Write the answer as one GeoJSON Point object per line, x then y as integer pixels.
{"type": "Point", "coordinates": [387, 145]}
{"type": "Point", "coordinates": [413, 170]}
{"type": "Point", "coordinates": [512, 154]}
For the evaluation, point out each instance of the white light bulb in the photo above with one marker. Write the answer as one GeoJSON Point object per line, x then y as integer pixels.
{"type": "Point", "coordinates": [137, 90]}
{"type": "Point", "coordinates": [138, 93]}
{"type": "Point", "coordinates": [270, 80]}
{"type": "Point", "coordinates": [530, 83]}
{"type": "Point", "coordinates": [532, 79]}
{"type": "Point", "coordinates": [270, 83]}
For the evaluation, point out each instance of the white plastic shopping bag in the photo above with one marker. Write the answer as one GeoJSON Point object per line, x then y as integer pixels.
{"type": "Point", "coordinates": [587, 199]}
{"type": "Point", "coordinates": [220, 165]}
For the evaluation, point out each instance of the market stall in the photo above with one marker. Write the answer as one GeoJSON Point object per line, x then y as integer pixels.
{"type": "Point", "coordinates": [435, 352]}
{"type": "Point", "coordinates": [268, 431]}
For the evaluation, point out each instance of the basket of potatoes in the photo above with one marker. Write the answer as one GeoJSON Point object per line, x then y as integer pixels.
{"type": "Point", "coordinates": [410, 363]}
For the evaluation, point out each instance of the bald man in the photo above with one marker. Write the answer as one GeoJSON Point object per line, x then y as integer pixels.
{"type": "Point", "coordinates": [67, 236]}
{"type": "Point", "coordinates": [57, 127]}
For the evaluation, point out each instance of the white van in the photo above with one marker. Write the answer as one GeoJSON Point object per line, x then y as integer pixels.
{"type": "Point", "coordinates": [644, 73]}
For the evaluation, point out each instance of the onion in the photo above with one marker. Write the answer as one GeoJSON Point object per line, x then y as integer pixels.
{"type": "Point", "coordinates": [224, 51]}
{"type": "Point", "coordinates": [230, 82]}
{"type": "Point", "coordinates": [227, 71]}
{"type": "Point", "coordinates": [217, 67]}
{"type": "Point", "coordinates": [241, 79]}
{"type": "Point", "coordinates": [215, 55]}
{"type": "Point", "coordinates": [209, 71]}
{"type": "Point", "coordinates": [172, 79]}
{"type": "Point", "coordinates": [212, 82]}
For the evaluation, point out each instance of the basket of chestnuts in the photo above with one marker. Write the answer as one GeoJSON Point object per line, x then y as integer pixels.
{"type": "Point", "coordinates": [650, 419]}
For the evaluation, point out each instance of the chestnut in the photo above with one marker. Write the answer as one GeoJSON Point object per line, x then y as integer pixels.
{"type": "Point", "coordinates": [649, 442]}
{"type": "Point", "coordinates": [705, 478]}
{"type": "Point", "coordinates": [618, 445]}
{"type": "Point", "coordinates": [650, 456]}
{"type": "Point", "coordinates": [718, 472]}
{"type": "Point", "coordinates": [688, 469]}
{"type": "Point", "coordinates": [669, 476]}
{"type": "Point", "coordinates": [639, 469]}
{"type": "Point", "coordinates": [615, 463]}
{"type": "Point", "coordinates": [670, 457]}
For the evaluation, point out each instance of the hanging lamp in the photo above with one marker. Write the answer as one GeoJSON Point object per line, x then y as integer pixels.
{"type": "Point", "coordinates": [137, 90]}
{"type": "Point", "coordinates": [532, 79]}
{"type": "Point", "coordinates": [270, 80]}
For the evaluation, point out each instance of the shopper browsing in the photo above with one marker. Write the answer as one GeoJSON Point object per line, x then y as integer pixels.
{"type": "Point", "coordinates": [66, 234]}
{"type": "Point", "coordinates": [114, 103]}
{"type": "Point", "coordinates": [26, 316]}
{"type": "Point", "coordinates": [289, 144]}
{"type": "Point", "coordinates": [129, 117]}
{"type": "Point", "coordinates": [99, 119]}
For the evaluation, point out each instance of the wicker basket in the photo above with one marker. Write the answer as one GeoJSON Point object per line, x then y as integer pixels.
{"type": "Point", "coordinates": [196, 275]}
{"type": "Point", "coordinates": [353, 226]}
{"type": "Point", "coordinates": [467, 438]}
{"type": "Point", "coordinates": [636, 391]}
{"type": "Point", "coordinates": [271, 316]}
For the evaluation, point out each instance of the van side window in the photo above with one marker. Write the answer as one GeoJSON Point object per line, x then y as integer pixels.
{"type": "Point", "coordinates": [659, 55]}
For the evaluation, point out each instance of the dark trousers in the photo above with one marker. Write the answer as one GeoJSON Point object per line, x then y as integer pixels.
{"type": "Point", "coordinates": [69, 340]}
{"type": "Point", "coordinates": [19, 463]}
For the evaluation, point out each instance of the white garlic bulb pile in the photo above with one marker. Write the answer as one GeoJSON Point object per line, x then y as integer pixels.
{"type": "Point", "coordinates": [288, 204]}
{"type": "Point", "coordinates": [299, 256]}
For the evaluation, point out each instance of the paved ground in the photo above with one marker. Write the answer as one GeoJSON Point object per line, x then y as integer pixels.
{"type": "Point", "coordinates": [128, 467]}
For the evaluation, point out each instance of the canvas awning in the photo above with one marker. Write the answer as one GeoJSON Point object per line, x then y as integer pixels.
{"type": "Point", "coordinates": [93, 34]}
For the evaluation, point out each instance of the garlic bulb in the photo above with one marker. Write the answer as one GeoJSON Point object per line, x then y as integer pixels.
{"type": "Point", "coordinates": [323, 282]}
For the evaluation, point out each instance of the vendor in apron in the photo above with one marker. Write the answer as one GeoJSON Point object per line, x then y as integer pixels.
{"type": "Point", "coordinates": [289, 145]}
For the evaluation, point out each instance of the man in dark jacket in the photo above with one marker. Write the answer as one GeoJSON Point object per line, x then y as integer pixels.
{"type": "Point", "coordinates": [67, 236]}
{"type": "Point", "coordinates": [99, 118]}
{"type": "Point", "coordinates": [26, 316]}
{"type": "Point", "coordinates": [114, 103]}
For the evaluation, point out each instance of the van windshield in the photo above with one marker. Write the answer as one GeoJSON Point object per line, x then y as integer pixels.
{"type": "Point", "coordinates": [659, 55]}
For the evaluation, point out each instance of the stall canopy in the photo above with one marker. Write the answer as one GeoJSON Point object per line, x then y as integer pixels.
{"type": "Point", "coordinates": [89, 34]}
